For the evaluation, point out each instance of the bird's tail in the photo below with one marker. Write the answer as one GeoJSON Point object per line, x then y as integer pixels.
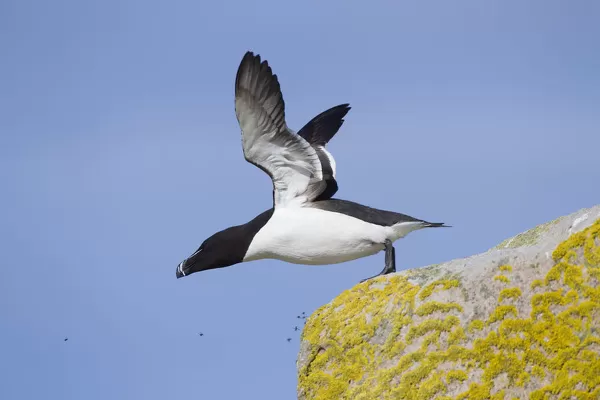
{"type": "Point", "coordinates": [435, 225]}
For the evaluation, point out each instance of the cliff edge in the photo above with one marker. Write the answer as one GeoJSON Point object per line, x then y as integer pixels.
{"type": "Point", "coordinates": [520, 321]}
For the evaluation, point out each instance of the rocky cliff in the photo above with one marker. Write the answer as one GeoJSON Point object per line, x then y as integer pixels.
{"type": "Point", "coordinates": [521, 321]}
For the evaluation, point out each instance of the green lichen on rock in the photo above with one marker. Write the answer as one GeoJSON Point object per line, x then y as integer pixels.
{"type": "Point", "coordinates": [527, 238]}
{"type": "Point", "coordinates": [392, 338]}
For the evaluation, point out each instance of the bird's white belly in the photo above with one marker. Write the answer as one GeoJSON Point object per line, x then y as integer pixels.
{"type": "Point", "coordinates": [316, 237]}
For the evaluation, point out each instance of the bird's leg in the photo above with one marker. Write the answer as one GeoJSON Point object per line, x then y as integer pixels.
{"type": "Point", "coordinates": [390, 260]}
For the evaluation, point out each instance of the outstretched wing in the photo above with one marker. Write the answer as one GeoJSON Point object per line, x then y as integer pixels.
{"type": "Point", "coordinates": [290, 161]}
{"type": "Point", "coordinates": [318, 132]}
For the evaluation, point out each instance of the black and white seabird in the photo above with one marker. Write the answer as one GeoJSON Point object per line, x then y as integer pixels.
{"type": "Point", "coordinates": [305, 225]}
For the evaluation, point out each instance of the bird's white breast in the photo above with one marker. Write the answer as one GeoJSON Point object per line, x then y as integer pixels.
{"type": "Point", "coordinates": [315, 237]}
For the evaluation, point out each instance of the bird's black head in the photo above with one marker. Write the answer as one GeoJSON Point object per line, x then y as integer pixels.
{"type": "Point", "coordinates": [222, 249]}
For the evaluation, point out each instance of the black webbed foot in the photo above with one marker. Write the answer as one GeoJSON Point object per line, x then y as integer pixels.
{"type": "Point", "coordinates": [390, 261]}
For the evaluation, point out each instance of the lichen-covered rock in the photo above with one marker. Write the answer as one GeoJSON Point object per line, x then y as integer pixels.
{"type": "Point", "coordinates": [521, 321]}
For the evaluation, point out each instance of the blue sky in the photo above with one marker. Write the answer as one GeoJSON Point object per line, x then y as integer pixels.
{"type": "Point", "coordinates": [120, 153]}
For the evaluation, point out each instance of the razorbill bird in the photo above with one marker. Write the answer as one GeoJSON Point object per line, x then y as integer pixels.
{"type": "Point", "coordinates": [305, 225]}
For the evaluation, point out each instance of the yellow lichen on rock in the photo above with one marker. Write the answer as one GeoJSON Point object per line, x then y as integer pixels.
{"type": "Point", "coordinates": [510, 293]}
{"type": "Point", "coordinates": [441, 284]}
{"type": "Point", "coordinates": [502, 278]}
{"type": "Point", "coordinates": [390, 338]}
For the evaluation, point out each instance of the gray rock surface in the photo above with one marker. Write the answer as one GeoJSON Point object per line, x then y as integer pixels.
{"type": "Point", "coordinates": [495, 325]}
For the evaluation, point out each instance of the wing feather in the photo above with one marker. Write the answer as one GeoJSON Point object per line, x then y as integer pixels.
{"type": "Point", "coordinates": [318, 132]}
{"type": "Point", "coordinates": [290, 161]}
{"type": "Point", "coordinates": [301, 169]}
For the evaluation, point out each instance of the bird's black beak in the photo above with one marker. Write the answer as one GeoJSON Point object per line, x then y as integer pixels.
{"type": "Point", "coordinates": [186, 267]}
{"type": "Point", "coordinates": [180, 272]}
